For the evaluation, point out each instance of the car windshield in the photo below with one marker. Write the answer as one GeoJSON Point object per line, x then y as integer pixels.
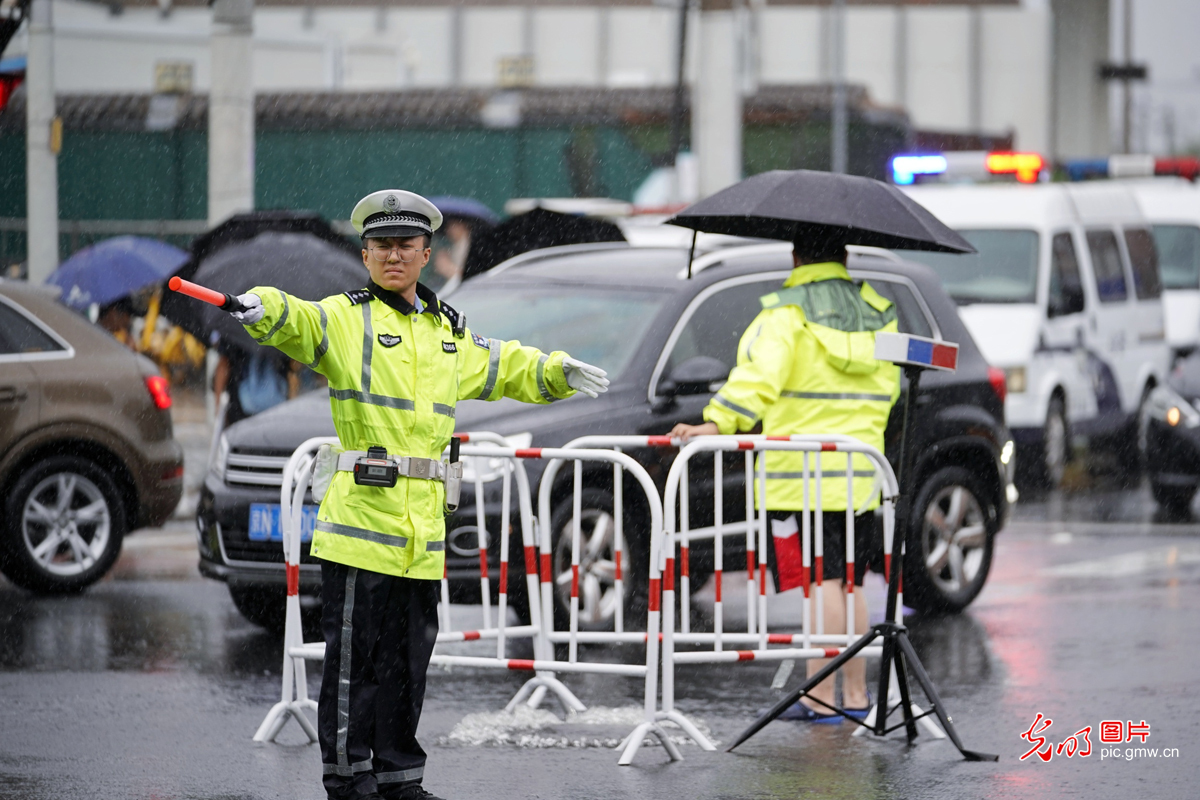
{"type": "Point", "coordinates": [1178, 255]}
{"type": "Point", "coordinates": [601, 326]}
{"type": "Point", "coordinates": [1003, 271]}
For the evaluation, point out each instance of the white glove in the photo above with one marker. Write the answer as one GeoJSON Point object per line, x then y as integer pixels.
{"type": "Point", "coordinates": [254, 309]}
{"type": "Point", "coordinates": [585, 378]}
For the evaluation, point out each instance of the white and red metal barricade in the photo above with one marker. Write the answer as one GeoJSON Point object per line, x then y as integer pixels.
{"type": "Point", "coordinates": [813, 641]}
{"type": "Point", "coordinates": [297, 474]}
{"type": "Point", "coordinates": [296, 477]}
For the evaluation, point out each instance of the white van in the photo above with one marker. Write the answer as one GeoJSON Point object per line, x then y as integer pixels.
{"type": "Point", "coordinates": [1065, 296]}
{"type": "Point", "coordinates": [1172, 207]}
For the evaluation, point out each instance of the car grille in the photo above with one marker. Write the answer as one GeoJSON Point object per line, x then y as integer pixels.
{"type": "Point", "coordinates": [238, 548]}
{"type": "Point", "coordinates": [255, 468]}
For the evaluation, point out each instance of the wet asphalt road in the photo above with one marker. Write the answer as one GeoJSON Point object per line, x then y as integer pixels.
{"type": "Point", "coordinates": [150, 686]}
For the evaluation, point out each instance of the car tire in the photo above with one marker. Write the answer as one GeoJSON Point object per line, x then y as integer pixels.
{"type": "Point", "coordinates": [64, 523]}
{"type": "Point", "coordinates": [949, 549]}
{"type": "Point", "coordinates": [1056, 445]}
{"type": "Point", "coordinates": [1175, 501]}
{"type": "Point", "coordinates": [597, 589]}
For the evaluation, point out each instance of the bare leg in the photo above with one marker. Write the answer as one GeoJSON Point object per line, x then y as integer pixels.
{"type": "Point", "coordinates": [854, 674]}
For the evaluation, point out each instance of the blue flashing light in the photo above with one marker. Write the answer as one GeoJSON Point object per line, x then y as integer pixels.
{"type": "Point", "coordinates": [1082, 169]}
{"type": "Point", "coordinates": [906, 168]}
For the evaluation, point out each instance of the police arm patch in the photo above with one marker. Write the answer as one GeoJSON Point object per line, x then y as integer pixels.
{"type": "Point", "coordinates": [480, 341]}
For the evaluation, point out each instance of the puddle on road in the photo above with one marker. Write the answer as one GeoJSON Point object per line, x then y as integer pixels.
{"type": "Point", "coordinates": [536, 728]}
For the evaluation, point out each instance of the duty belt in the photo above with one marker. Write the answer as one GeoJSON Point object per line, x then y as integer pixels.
{"type": "Point", "coordinates": [428, 469]}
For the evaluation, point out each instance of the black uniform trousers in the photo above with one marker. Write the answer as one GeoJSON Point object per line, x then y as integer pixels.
{"type": "Point", "coordinates": [379, 635]}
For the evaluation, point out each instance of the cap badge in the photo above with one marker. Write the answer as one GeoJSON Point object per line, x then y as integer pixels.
{"type": "Point", "coordinates": [391, 203]}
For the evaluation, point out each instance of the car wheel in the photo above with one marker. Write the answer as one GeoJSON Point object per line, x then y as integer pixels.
{"type": "Point", "coordinates": [1175, 501]}
{"type": "Point", "coordinates": [949, 551]}
{"type": "Point", "coordinates": [1056, 444]}
{"type": "Point", "coordinates": [597, 562]}
{"type": "Point", "coordinates": [65, 523]}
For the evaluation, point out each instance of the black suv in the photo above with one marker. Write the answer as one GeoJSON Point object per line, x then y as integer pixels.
{"type": "Point", "coordinates": [667, 342]}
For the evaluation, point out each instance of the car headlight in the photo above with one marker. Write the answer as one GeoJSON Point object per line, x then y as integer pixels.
{"type": "Point", "coordinates": [1014, 379]}
{"type": "Point", "coordinates": [217, 464]}
{"type": "Point", "coordinates": [1166, 405]}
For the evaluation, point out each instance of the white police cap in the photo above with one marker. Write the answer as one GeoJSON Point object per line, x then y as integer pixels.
{"type": "Point", "coordinates": [395, 212]}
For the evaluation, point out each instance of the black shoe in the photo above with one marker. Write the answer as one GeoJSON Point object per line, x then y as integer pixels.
{"type": "Point", "coordinates": [414, 791]}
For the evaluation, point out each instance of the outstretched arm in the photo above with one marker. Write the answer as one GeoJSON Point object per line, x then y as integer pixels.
{"type": "Point", "coordinates": [492, 369]}
{"type": "Point", "coordinates": [295, 327]}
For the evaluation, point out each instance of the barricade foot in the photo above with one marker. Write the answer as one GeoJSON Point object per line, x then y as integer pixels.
{"type": "Point", "coordinates": [633, 743]}
{"type": "Point", "coordinates": [536, 688]}
{"type": "Point", "coordinates": [688, 728]}
{"type": "Point", "coordinates": [272, 723]}
{"type": "Point", "coordinates": [278, 716]}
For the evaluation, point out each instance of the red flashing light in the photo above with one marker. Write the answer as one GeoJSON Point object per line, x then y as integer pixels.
{"type": "Point", "coordinates": [1025, 166]}
{"type": "Point", "coordinates": [999, 382]}
{"type": "Point", "coordinates": [1187, 168]}
{"type": "Point", "coordinates": [160, 391]}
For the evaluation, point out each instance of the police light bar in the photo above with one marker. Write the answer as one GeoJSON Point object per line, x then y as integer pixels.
{"type": "Point", "coordinates": [1131, 166]}
{"type": "Point", "coordinates": [908, 350]}
{"type": "Point", "coordinates": [1026, 166]}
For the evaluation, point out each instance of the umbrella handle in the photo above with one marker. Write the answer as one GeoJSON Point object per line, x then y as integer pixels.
{"type": "Point", "coordinates": [225, 302]}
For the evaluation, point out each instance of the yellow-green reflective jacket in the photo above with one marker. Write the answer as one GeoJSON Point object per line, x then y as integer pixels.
{"type": "Point", "coordinates": [807, 365]}
{"type": "Point", "coordinates": [395, 377]}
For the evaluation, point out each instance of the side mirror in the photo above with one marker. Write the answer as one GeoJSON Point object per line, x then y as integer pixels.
{"type": "Point", "coordinates": [698, 375]}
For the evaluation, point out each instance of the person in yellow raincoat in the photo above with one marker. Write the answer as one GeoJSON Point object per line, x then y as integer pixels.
{"type": "Point", "coordinates": [806, 365]}
{"type": "Point", "coordinates": [398, 360]}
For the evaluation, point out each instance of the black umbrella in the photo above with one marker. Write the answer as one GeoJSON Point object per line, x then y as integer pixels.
{"type": "Point", "coordinates": [825, 208]}
{"type": "Point", "coordinates": [187, 313]}
{"type": "Point", "coordinates": [298, 263]}
{"type": "Point", "coordinates": [531, 231]}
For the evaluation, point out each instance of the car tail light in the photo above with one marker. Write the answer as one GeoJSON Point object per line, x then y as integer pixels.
{"type": "Point", "coordinates": [999, 382]}
{"type": "Point", "coordinates": [160, 392]}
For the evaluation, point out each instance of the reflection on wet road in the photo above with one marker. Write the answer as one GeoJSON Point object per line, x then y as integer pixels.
{"type": "Point", "coordinates": [150, 686]}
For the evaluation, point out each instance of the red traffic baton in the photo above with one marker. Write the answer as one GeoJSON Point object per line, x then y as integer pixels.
{"type": "Point", "coordinates": [225, 302]}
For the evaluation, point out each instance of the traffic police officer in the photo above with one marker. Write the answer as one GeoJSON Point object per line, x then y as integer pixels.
{"type": "Point", "coordinates": [806, 365]}
{"type": "Point", "coordinates": [398, 360]}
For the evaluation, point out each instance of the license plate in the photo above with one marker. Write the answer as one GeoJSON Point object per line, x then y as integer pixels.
{"type": "Point", "coordinates": [265, 527]}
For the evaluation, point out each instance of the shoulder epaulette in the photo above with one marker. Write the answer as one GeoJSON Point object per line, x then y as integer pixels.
{"type": "Point", "coordinates": [358, 296]}
{"type": "Point", "coordinates": [458, 322]}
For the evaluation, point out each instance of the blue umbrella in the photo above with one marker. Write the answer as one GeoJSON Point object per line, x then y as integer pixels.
{"type": "Point", "coordinates": [466, 207]}
{"type": "Point", "coordinates": [115, 268]}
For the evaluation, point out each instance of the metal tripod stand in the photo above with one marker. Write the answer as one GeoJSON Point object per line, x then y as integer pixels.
{"type": "Point", "coordinates": [898, 651]}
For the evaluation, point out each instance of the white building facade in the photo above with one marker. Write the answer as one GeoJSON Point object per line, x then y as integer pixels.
{"type": "Point", "coordinates": [954, 67]}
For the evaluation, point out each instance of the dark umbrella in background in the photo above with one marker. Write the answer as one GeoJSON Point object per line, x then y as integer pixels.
{"type": "Point", "coordinates": [107, 271]}
{"type": "Point", "coordinates": [298, 263]}
{"type": "Point", "coordinates": [239, 228]}
{"type": "Point", "coordinates": [184, 312]}
{"type": "Point", "coordinates": [534, 230]}
{"type": "Point", "coordinates": [827, 209]}
{"type": "Point", "coordinates": [465, 208]}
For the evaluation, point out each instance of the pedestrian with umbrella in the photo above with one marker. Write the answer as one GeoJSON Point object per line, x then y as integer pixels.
{"type": "Point", "coordinates": [806, 365]}
{"type": "Point", "coordinates": [109, 273]}
{"type": "Point", "coordinates": [464, 219]}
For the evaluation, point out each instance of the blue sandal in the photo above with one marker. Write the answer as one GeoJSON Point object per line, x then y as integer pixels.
{"type": "Point", "coordinates": [860, 713]}
{"type": "Point", "coordinates": [798, 712]}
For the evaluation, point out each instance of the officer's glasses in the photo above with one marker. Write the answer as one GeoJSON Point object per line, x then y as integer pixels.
{"type": "Point", "coordinates": [406, 252]}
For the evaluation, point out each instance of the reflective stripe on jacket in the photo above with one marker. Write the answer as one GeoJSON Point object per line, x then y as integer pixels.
{"type": "Point", "coordinates": [394, 381]}
{"type": "Point", "coordinates": [806, 365]}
